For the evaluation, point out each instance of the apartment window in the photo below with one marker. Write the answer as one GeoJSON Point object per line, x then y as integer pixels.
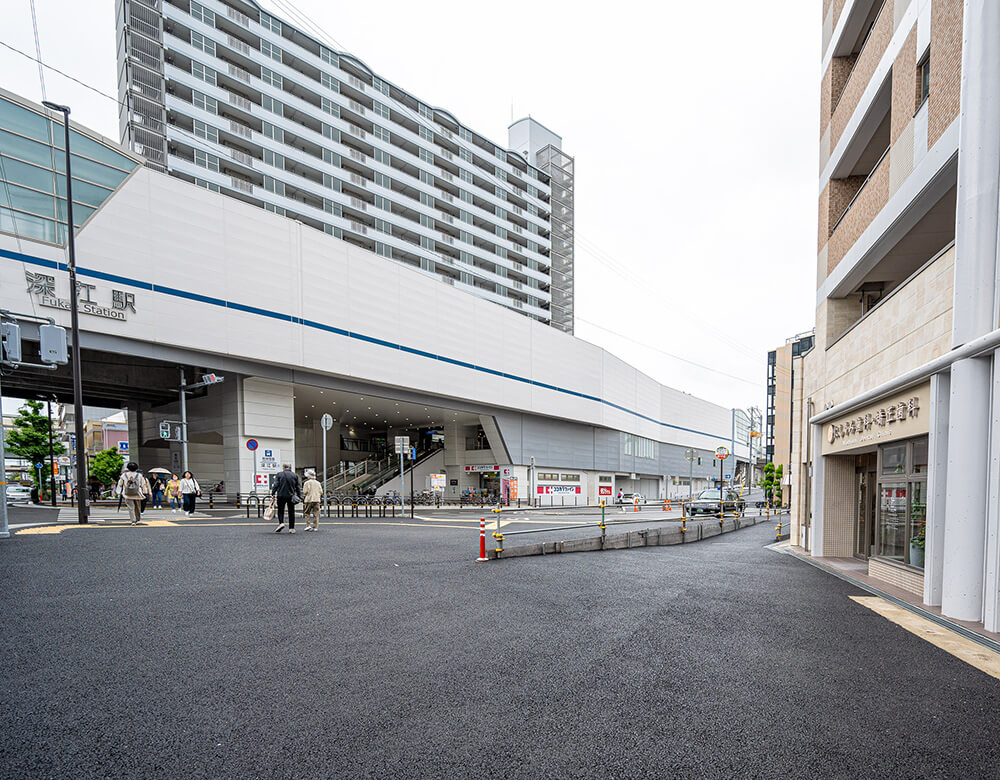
{"type": "Point", "coordinates": [532, 191]}
{"type": "Point", "coordinates": [331, 183]}
{"type": "Point", "coordinates": [330, 157]}
{"type": "Point", "coordinates": [268, 21]}
{"type": "Point", "coordinates": [206, 185]}
{"type": "Point", "coordinates": [465, 134]}
{"type": "Point", "coordinates": [274, 159]}
{"type": "Point", "coordinates": [204, 102]}
{"type": "Point", "coordinates": [270, 131]}
{"type": "Point", "coordinates": [383, 203]}
{"type": "Point", "coordinates": [329, 82]}
{"type": "Point", "coordinates": [499, 211]}
{"type": "Point", "coordinates": [547, 476]}
{"type": "Point", "coordinates": [380, 85]}
{"type": "Point", "coordinates": [427, 265]}
{"type": "Point", "coordinates": [268, 49]}
{"type": "Point", "coordinates": [570, 478]}
{"type": "Point", "coordinates": [426, 156]}
{"type": "Point", "coordinates": [501, 174]}
{"type": "Point", "coordinates": [425, 133]}
{"type": "Point", "coordinates": [923, 80]}
{"type": "Point", "coordinates": [206, 45]}
{"type": "Point", "coordinates": [500, 193]}
{"type": "Point", "coordinates": [206, 131]}
{"type": "Point", "coordinates": [425, 111]}
{"type": "Point", "coordinates": [203, 72]}
{"type": "Point", "coordinates": [331, 132]}
{"type": "Point", "coordinates": [426, 221]}
{"type": "Point", "coordinates": [465, 195]}
{"type": "Point", "coordinates": [465, 154]}
{"type": "Point", "coordinates": [329, 106]}
{"type": "Point", "coordinates": [501, 252]}
{"type": "Point", "coordinates": [500, 154]}
{"type": "Point", "coordinates": [465, 216]}
{"type": "Point", "coordinates": [382, 157]}
{"type": "Point", "coordinates": [206, 160]}
{"type": "Point", "coordinates": [381, 109]}
{"type": "Point", "coordinates": [328, 56]}
{"type": "Point", "coordinates": [465, 278]}
{"type": "Point", "coordinates": [427, 243]}
{"type": "Point", "coordinates": [382, 226]}
{"type": "Point", "coordinates": [274, 209]}
{"type": "Point", "coordinates": [383, 249]}
{"type": "Point", "coordinates": [382, 134]}
{"type": "Point", "coordinates": [426, 199]}
{"type": "Point", "coordinates": [202, 14]}
{"type": "Point", "coordinates": [465, 175]}
{"type": "Point", "coordinates": [382, 180]}
{"type": "Point", "coordinates": [268, 76]}
{"type": "Point", "coordinates": [427, 178]}
{"type": "Point", "coordinates": [273, 185]}
{"type": "Point", "coordinates": [332, 208]}
{"type": "Point", "coordinates": [465, 236]}
{"type": "Point", "coordinates": [268, 103]}
{"type": "Point", "coordinates": [501, 232]}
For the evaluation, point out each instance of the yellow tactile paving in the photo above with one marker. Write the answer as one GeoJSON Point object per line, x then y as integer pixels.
{"type": "Point", "coordinates": [964, 649]}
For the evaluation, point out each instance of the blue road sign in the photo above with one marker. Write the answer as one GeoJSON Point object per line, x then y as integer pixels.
{"type": "Point", "coordinates": [123, 446]}
{"type": "Point", "coordinates": [38, 465]}
{"type": "Point", "coordinates": [252, 444]}
{"type": "Point", "coordinates": [729, 476]}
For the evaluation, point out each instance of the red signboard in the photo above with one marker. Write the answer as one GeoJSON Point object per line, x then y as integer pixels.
{"type": "Point", "coordinates": [604, 490]}
{"type": "Point", "coordinates": [548, 490]}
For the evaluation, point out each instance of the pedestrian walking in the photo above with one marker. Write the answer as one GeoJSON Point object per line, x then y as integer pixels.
{"type": "Point", "coordinates": [312, 494]}
{"type": "Point", "coordinates": [174, 493]}
{"type": "Point", "coordinates": [190, 490]}
{"type": "Point", "coordinates": [287, 492]}
{"type": "Point", "coordinates": [133, 487]}
{"type": "Point", "coordinates": [157, 488]}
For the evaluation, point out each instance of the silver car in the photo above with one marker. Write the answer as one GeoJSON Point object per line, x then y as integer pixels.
{"type": "Point", "coordinates": [18, 493]}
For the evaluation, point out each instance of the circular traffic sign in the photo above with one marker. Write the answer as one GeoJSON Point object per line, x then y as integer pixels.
{"type": "Point", "coordinates": [326, 422]}
{"type": "Point", "coordinates": [721, 453]}
{"type": "Point", "coordinates": [252, 444]}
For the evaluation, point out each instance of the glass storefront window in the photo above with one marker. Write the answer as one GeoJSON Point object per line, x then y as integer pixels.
{"type": "Point", "coordinates": [894, 459]}
{"type": "Point", "coordinates": [892, 521]}
{"type": "Point", "coordinates": [918, 523]}
{"type": "Point", "coordinates": [920, 456]}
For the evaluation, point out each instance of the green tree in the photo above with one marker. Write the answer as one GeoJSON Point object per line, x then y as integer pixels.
{"type": "Point", "coordinates": [28, 438]}
{"type": "Point", "coordinates": [768, 482]}
{"type": "Point", "coordinates": [778, 472]}
{"type": "Point", "coordinates": [107, 466]}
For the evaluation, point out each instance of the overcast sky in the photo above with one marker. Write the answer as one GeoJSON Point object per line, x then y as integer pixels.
{"type": "Point", "coordinates": [694, 127]}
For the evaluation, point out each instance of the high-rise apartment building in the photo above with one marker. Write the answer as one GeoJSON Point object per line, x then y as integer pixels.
{"type": "Point", "coordinates": [230, 97]}
{"type": "Point", "coordinates": [897, 437]}
{"type": "Point", "coordinates": [784, 390]}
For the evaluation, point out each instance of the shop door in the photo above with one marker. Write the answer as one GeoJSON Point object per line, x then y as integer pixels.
{"type": "Point", "coordinates": [864, 535]}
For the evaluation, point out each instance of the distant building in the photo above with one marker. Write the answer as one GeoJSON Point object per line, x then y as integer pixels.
{"type": "Point", "coordinates": [784, 381]}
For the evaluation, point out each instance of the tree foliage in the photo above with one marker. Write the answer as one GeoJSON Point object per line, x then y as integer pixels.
{"type": "Point", "coordinates": [778, 473]}
{"type": "Point", "coordinates": [107, 466]}
{"type": "Point", "coordinates": [28, 437]}
{"type": "Point", "coordinates": [768, 482]}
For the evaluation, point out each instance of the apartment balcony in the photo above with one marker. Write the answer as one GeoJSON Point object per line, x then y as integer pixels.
{"type": "Point", "coordinates": [861, 210]}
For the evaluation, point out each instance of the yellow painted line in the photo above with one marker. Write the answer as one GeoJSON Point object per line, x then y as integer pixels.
{"type": "Point", "coordinates": [964, 649]}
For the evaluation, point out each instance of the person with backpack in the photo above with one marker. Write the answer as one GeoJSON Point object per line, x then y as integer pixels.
{"type": "Point", "coordinates": [287, 492]}
{"type": "Point", "coordinates": [190, 490]}
{"type": "Point", "coordinates": [133, 487]}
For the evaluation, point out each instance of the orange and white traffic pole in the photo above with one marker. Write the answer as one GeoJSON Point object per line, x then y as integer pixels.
{"type": "Point", "coordinates": [482, 539]}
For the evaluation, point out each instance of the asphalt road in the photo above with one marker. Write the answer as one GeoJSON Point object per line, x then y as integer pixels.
{"type": "Point", "coordinates": [224, 650]}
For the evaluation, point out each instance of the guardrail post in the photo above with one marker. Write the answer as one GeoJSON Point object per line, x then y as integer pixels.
{"type": "Point", "coordinates": [211, 502]}
{"type": "Point", "coordinates": [499, 537]}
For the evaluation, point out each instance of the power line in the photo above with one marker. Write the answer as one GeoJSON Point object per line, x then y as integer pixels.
{"type": "Point", "coordinates": [669, 354]}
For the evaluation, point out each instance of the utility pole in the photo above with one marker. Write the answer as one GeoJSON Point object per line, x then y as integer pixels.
{"type": "Point", "coordinates": [52, 457]}
{"type": "Point", "coordinates": [74, 314]}
{"type": "Point", "coordinates": [182, 394]}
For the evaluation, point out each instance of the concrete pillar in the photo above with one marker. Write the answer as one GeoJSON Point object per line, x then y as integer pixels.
{"type": "Point", "coordinates": [268, 415]}
{"type": "Point", "coordinates": [991, 603]}
{"type": "Point", "coordinates": [937, 488]}
{"type": "Point", "coordinates": [975, 312]}
{"type": "Point", "coordinates": [814, 539]}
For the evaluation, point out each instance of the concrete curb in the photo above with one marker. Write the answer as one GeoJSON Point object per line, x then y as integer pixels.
{"type": "Point", "coordinates": [649, 537]}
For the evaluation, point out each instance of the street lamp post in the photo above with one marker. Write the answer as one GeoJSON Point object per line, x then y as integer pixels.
{"type": "Point", "coordinates": [74, 313]}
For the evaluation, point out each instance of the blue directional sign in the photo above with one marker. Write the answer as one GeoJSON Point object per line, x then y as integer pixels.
{"type": "Point", "coordinates": [123, 447]}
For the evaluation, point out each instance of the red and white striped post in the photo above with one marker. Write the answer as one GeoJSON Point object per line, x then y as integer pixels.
{"type": "Point", "coordinates": [482, 539]}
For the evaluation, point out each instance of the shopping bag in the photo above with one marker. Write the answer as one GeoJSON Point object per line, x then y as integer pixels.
{"type": "Point", "coordinates": [269, 510]}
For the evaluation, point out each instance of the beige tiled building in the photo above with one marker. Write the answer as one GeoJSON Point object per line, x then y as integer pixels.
{"type": "Point", "coordinates": [897, 414]}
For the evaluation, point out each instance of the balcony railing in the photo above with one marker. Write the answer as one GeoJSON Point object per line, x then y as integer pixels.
{"type": "Point", "coordinates": [861, 189]}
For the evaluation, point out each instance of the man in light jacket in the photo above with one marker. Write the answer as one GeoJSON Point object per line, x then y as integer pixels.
{"type": "Point", "coordinates": [287, 491]}
{"type": "Point", "coordinates": [312, 494]}
{"type": "Point", "coordinates": [133, 487]}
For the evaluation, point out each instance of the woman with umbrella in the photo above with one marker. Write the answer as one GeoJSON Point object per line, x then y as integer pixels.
{"type": "Point", "coordinates": [156, 483]}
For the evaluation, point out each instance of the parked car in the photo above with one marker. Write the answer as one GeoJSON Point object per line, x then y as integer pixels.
{"type": "Point", "coordinates": [632, 498]}
{"type": "Point", "coordinates": [708, 502]}
{"type": "Point", "coordinates": [17, 493]}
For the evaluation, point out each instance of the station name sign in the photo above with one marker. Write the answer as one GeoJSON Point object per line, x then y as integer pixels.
{"type": "Point", "coordinates": [892, 418]}
{"type": "Point", "coordinates": [43, 287]}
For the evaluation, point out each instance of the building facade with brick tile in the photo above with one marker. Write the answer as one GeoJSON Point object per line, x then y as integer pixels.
{"type": "Point", "coordinates": [896, 422]}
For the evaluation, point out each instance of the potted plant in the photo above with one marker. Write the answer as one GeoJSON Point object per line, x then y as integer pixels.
{"type": "Point", "coordinates": [917, 549]}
